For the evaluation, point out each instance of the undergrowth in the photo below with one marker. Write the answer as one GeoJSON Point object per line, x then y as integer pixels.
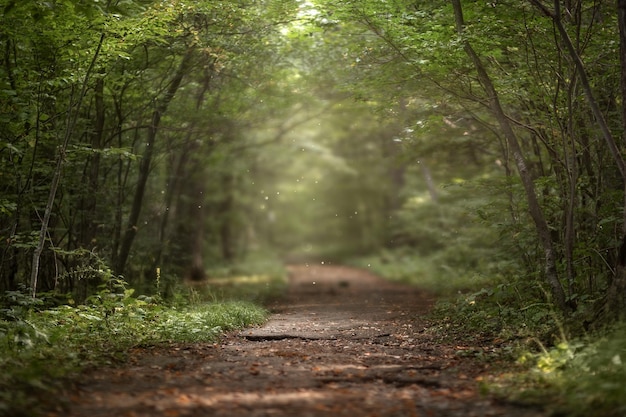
{"type": "Point", "coordinates": [42, 347]}
{"type": "Point", "coordinates": [553, 363]}
{"type": "Point", "coordinates": [579, 377]}
{"type": "Point", "coordinates": [431, 272]}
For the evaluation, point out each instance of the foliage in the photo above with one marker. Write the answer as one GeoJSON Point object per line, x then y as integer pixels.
{"type": "Point", "coordinates": [581, 377]}
{"type": "Point", "coordinates": [155, 91]}
{"type": "Point", "coordinates": [448, 125]}
{"type": "Point", "coordinates": [188, 135]}
{"type": "Point", "coordinates": [259, 278]}
{"type": "Point", "coordinates": [97, 333]}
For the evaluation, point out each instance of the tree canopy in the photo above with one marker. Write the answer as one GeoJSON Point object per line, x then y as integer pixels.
{"type": "Point", "coordinates": [157, 138]}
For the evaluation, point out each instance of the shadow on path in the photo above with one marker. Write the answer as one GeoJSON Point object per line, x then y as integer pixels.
{"type": "Point", "coordinates": [342, 342]}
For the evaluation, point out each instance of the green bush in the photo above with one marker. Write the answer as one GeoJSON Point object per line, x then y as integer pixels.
{"type": "Point", "coordinates": [97, 333]}
{"type": "Point", "coordinates": [576, 378]}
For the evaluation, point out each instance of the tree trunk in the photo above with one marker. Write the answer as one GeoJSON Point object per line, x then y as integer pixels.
{"type": "Point", "coordinates": [226, 217]}
{"type": "Point", "coordinates": [87, 229]}
{"type": "Point", "coordinates": [580, 68]}
{"type": "Point", "coordinates": [172, 190]}
{"type": "Point", "coordinates": [145, 165]}
{"type": "Point", "coordinates": [535, 210]}
{"type": "Point", "coordinates": [196, 272]}
{"type": "Point", "coordinates": [430, 182]}
{"type": "Point", "coordinates": [616, 296]}
{"type": "Point", "coordinates": [621, 21]}
{"type": "Point", "coordinates": [72, 118]}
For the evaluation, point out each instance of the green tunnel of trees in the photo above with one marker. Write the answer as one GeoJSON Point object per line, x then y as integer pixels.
{"type": "Point", "coordinates": [152, 139]}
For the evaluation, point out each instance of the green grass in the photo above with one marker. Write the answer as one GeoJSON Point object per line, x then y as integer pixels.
{"type": "Point", "coordinates": [41, 347]}
{"type": "Point", "coordinates": [578, 378]}
{"type": "Point", "coordinates": [552, 363]}
{"type": "Point", "coordinates": [433, 272]}
{"type": "Point", "coordinates": [260, 278]}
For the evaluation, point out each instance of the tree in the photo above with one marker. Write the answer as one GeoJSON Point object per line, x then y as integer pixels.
{"type": "Point", "coordinates": [616, 299]}
{"type": "Point", "coordinates": [146, 161]}
{"type": "Point", "coordinates": [144, 54]}
{"type": "Point", "coordinates": [530, 85]}
{"type": "Point", "coordinates": [522, 165]}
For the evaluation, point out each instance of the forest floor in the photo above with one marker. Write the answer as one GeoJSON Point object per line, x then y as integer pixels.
{"type": "Point", "coordinates": [342, 342]}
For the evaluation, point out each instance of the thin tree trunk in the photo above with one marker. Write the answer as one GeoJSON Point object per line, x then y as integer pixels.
{"type": "Point", "coordinates": [615, 307]}
{"type": "Point", "coordinates": [580, 68]}
{"type": "Point", "coordinates": [621, 19]}
{"type": "Point", "coordinates": [197, 272]}
{"type": "Point", "coordinates": [87, 230]}
{"type": "Point", "coordinates": [146, 162]}
{"type": "Point", "coordinates": [172, 190]}
{"type": "Point", "coordinates": [430, 182]}
{"type": "Point", "coordinates": [616, 296]}
{"type": "Point", "coordinates": [181, 168]}
{"type": "Point", "coordinates": [522, 167]}
{"type": "Point", "coordinates": [72, 118]}
{"type": "Point", "coordinates": [570, 226]}
{"type": "Point", "coordinates": [116, 232]}
{"type": "Point", "coordinates": [226, 217]}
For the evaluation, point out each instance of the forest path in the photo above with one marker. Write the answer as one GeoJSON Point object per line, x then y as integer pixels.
{"type": "Point", "coordinates": [343, 342]}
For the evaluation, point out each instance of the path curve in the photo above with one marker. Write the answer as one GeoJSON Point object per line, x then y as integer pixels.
{"type": "Point", "coordinates": [342, 342]}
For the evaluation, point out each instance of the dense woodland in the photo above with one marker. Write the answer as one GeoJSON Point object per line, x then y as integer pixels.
{"type": "Point", "coordinates": [473, 146]}
{"type": "Point", "coordinates": [151, 140]}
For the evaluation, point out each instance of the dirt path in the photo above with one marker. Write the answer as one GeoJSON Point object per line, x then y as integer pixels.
{"type": "Point", "coordinates": [342, 343]}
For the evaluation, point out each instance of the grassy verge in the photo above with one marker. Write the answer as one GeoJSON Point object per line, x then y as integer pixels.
{"type": "Point", "coordinates": [543, 359]}
{"type": "Point", "coordinates": [42, 347]}
{"type": "Point", "coordinates": [585, 377]}
{"type": "Point", "coordinates": [433, 272]}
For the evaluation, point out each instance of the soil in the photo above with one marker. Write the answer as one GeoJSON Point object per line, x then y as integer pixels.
{"type": "Point", "coordinates": [342, 342]}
